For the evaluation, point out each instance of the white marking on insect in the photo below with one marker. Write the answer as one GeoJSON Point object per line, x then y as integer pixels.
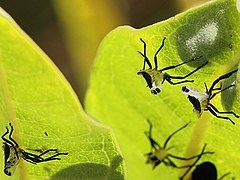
{"type": "Point", "coordinates": [201, 96]}
{"type": "Point", "coordinates": [156, 77]}
{"type": "Point", "coordinates": [201, 101]}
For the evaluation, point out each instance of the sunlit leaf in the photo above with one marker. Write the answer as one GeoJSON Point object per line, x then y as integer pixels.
{"type": "Point", "coordinates": [119, 97]}
{"type": "Point", "coordinates": [37, 100]}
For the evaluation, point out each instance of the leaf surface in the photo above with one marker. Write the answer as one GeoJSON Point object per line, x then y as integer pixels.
{"type": "Point", "coordinates": [119, 97]}
{"type": "Point", "coordinates": [37, 100]}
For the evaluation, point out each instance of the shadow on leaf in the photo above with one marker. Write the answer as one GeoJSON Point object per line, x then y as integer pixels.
{"type": "Point", "coordinates": [91, 171]}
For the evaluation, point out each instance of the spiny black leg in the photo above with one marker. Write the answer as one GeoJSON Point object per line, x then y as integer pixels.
{"type": "Point", "coordinates": [189, 158]}
{"type": "Point", "coordinates": [220, 117]}
{"type": "Point", "coordinates": [10, 135]}
{"type": "Point", "coordinates": [206, 87]}
{"type": "Point", "coordinates": [153, 143]}
{"type": "Point", "coordinates": [218, 88]}
{"type": "Point", "coordinates": [5, 134]}
{"type": "Point", "coordinates": [149, 136]}
{"type": "Point", "coordinates": [49, 150]}
{"type": "Point", "coordinates": [6, 140]}
{"type": "Point", "coordinates": [171, 163]}
{"type": "Point", "coordinates": [53, 157]}
{"type": "Point", "coordinates": [171, 135]}
{"type": "Point", "coordinates": [183, 77]}
{"type": "Point", "coordinates": [215, 89]}
{"type": "Point", "coordinates": [156, 164]}
{"type": "Point", "coordinates": [214, 94]}
{"type": "Point", "coordinates": [223, 176]}
{"type": "Point", "coordinates": [221, 78]}
{"type": "Point", "coordinates": [229, 112]}
{"type": "Point", "coordinates": [145, 55]}
{"type": "Point", "coordinates": [172, 67]}
{"type": "Point", "coordinates": [159, 49]}
{"type": "Point", "coordinates": [28, 154]}
{"type": "Point", "coordinates": [169, 148]}
{"type": "Point", "coordinates": [33, 157]}
{"type": "Point", "coordinates": [144, 50]}
{"type": "Point", "coordinates": [145, 60]}
{"type": "Point", "coordinates": [30, 161]}
{"type": "Point", "coordinates": [198, 158]}
{"type": "Point", "coordinates": [180, 82]}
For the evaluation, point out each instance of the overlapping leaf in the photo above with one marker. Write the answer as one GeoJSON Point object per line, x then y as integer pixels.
{"type": "Point", "coordinates": [120, 98]}
{"type": "Point", "coordinates": [37, 100]}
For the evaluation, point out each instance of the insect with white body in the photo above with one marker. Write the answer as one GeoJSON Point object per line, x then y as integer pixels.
{"type": "Point", "coordinates": [201, 100]}
{"type": "Point", "coordinates": [159, 154]}
{"type": "Point", "coordinates": [12, 154]}
{"type": "Point", "coordinates": [155, 78]}
{"type": "Point", "coordinates": [11, 150]}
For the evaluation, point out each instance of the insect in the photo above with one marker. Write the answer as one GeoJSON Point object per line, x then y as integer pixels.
{"type": "Point", "coordinates": [206, 171]}
{"type": "Point", "coordinates": [159, 154]}
{"type": "Point", "coordinates": [156, 77]}
{"type": "Point", "coordinates": [12, 153]}
{"type": "Point", "coordinates": [201, 100]}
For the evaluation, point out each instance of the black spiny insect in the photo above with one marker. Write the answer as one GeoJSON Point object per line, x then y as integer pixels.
{"type": "Point", "coordinates": [156, 77]}
{"type": "Point", "coordinates": [201, 100]}
{"type": "Point", "coordinates": [159, 154]}
{"type": "Point", "coordinates": [12, 153]}
{"type": "Point", "coordinates": [204, 171]}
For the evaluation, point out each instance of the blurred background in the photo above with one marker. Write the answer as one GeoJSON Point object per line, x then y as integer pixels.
{"type": "Point", "coordinates": [69, 31]}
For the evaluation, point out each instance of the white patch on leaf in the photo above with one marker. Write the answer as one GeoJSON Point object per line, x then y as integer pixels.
{"type": "Point", "coordinates": [238, 5]}
{"type": "Point", "coordinates": [205, 35]}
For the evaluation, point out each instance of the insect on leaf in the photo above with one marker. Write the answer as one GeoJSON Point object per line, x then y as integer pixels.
{"type": "Point", "coordinates": [120, 98]}
{"type": "Point", "coordinates": [46, 114]}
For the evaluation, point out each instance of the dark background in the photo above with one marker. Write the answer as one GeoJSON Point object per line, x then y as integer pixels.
{"type": "Point", "coordinates": [46, 22]}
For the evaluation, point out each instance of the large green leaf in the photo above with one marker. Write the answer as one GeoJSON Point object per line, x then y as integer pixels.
{"type": "Point", "coordinates": [36, 98]}
{"type": "Point", "coordinates": [120, 98]}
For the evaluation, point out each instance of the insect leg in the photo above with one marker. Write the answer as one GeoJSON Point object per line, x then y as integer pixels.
{"type": "Point", "coordinates": [220, 117]}
{"type": "Point", "coordinates": [174, 66]}
{"type": "Point", "coordinates": [28, 160]}
{"type": "Point", "coordinates": [33, 158]}
{"type": "Point", "coordinates": [144, 50]}
{"type": "Point", "coordinates": [195, 162]}
{"type": "Point", "coordinates": [159, 49]}
{"type": "Point", "coordinates": [49, 150]}
{"type": "Point", "coordinates": [55, 155]}
{"type": "Point", "coordinates": [156, 164]}
{"type": "Point", "coordinates": [214, 94]}
{"type": "Point", "coordinates": [171, 163]}
{"type": "Point", "coordinates": [223, 176]}
{"type": "Point", "coordinates": [171, 135]}
{"type": "Point", "coordinates": [221, 78]}
{"type": "Point", "coordinates": [229, 112]}
{"type": "Point", "coordinates": [153, 143]}
{"type": "Point", "coordinates": [183, 77]}
{"type": "Point", "coordinates": [6, 140]}
{"type": "Point", "coordinates": [175, 83]}
{"type": "Point", "coordinates": [10, 135]}
{"type": "Point", "coordinates": [189, 158]}
{"type": "Point", "coordinates": [146, 60]}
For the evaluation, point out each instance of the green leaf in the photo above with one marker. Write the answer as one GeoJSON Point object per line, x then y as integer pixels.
{"type": "Point", "coordinates": [119, 97]}
{"type": "Point", "coordinates": [36, 98]}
